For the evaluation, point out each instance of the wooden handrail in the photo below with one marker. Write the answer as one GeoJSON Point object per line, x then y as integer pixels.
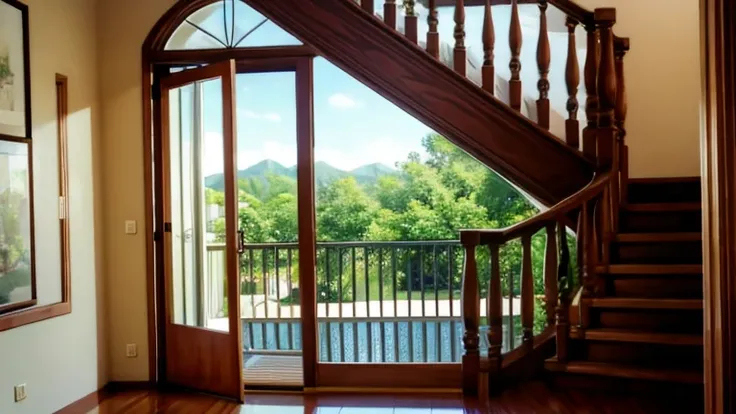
{"type": "Point", "coordinates": [534, 224]}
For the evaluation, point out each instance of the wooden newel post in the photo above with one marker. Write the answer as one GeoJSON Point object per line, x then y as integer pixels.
{"type": "Point", "coordinates": [608, 147]}
{"type": "Point", "coordinates": [621, 46]}
{"type": "Point", "coordinates": [471, 315]}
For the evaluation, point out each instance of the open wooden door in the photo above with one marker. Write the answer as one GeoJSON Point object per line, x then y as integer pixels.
{"type": "Point", "coordinates": [203, 340]}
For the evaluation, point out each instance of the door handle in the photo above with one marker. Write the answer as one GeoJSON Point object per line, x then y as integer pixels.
{"type": "Point", "coordinates": [241, 242]}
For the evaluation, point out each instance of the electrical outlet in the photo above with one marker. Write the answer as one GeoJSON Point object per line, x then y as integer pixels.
{"type": "Point", "coordinates": [20, 392]}
{"type": "Point", "coordinates": [131, 227]}
{"type": "Point", "coordinates": [131, 351]}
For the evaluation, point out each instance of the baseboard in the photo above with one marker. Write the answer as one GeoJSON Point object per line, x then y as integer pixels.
{"type": "Point", "coordinates": [93, 399]}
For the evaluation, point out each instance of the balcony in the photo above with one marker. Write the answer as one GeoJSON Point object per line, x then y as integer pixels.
{"type": "Point", "coordinates": [378, 302]}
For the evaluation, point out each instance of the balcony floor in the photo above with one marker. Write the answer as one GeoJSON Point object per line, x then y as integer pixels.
{"type": "Point", "coordinates": [273, 371]}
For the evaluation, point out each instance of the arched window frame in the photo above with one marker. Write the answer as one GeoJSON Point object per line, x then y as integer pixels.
{"type": "Point", "coordinates": [156, 62]}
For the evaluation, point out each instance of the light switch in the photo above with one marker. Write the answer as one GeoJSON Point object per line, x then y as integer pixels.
{"type": "Point", "coordinates": [131, 227]}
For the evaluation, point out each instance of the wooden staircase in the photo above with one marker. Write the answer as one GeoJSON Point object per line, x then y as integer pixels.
{"type": "Point", "coordinates": [646, 322]}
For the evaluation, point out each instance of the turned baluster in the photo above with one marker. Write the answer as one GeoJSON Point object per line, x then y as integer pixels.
{"type": "Point", "coordinates": [367, 5]}
{"type": "Point", "coordinates": [411, 30]}
{"type": "Point", "coordinates": [590, 131]}
{"type": "Point", "coordinates": [527, 291]}
{"type": "Point", "coordinates": [605, 227]}
{"type": "Point", "coordinates": [459, 56]}
{"type": "Point", "coordinates": [550, 274]}
{"type": "Point", "coordinates": [585, 240]}
{"type": "Point", "coordinates": [515, 63]}
{"type": "Point", "coordinates": [433, 37]}
{"type": "Point", "coordinates": [562, 324]}
{"type": "Point", "coordinates": [621, 47]}
{"type": "Point", "coordinates": [471, 315]}
{"type": "Point", "coordinates": [572, 79]}
{"type": "Point", "coordinates": [489, 40]}
{"type": "Point", "coordinates": [543, 58]}
{"type": "Point", "coordinates": [494, 310]}
{"type": "Point", "coordinates": [389, 13]}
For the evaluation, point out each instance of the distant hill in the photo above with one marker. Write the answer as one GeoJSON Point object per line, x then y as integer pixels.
{"type": "Point", "coordinates": [324, 173]}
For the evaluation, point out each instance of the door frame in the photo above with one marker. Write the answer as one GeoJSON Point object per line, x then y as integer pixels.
{"type": "Point", "coordinates": [157, 65]}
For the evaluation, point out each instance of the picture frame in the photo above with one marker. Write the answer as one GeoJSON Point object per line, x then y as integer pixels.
{"type": "Point", "coordinates": [15, 79]}
{"type": "Point", "coordinates": [17, 258]}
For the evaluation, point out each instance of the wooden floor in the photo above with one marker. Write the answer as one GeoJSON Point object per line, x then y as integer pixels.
{"type": "Point", "coordinates": [529, 398]}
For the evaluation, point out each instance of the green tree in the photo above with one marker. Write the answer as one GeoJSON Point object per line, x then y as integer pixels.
{"type": "Point", "coordinates": [344, 211]}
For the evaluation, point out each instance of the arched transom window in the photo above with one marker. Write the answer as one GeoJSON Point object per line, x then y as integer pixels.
{"type": "Point", "coordinates": [228, 24]}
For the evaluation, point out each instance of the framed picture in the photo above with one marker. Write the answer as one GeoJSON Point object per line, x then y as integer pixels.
{"type": "Point", "coordinates": [15, 82]}
{"type": "Point", "coordinates": [17, 266]}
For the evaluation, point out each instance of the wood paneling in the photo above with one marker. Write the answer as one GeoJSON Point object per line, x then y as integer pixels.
{"type": "Point", "coordinates": [718, 34]}
{"type": "Point", "coordinates": [488, 129]}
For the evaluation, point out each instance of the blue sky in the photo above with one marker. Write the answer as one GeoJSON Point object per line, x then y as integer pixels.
{"type": "Point", "coordinates": [354, 125]}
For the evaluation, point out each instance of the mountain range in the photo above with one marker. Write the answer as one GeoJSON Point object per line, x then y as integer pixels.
{"type": "Point", "coordinates": [324, 173]}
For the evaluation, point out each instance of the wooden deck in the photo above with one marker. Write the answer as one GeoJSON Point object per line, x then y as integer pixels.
{"type": "Point", "coordinates": [273, 371]}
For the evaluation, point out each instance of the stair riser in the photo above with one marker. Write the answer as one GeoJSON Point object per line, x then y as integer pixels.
{"type": "Point", "coordinates": [656, 287]}
{"type": "Point", "coordinates": [661, 221]}
{"type": "Point", "coordinates": [680, 321]}
{"type": "Point", "coordinates": [643, 354]}
{"type": "Point", "coordinates": [665, 192]}
{"type": "Point", "coordinates": [657, 253]}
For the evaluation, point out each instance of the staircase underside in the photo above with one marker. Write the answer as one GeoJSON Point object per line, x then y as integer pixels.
{"type": "Point", "coordinates": [387, 62]}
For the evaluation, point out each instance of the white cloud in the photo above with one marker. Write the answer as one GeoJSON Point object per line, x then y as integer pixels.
{"type": "Point", "coordinates": [266, 116]}
{"type": "Point", "coordinates": [384, 150]}
{"type": "Point", "coordinates": [343, 101]}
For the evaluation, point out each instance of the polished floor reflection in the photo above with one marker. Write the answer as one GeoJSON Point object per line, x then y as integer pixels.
{"type": "Point", "coordinates": [528, 398]}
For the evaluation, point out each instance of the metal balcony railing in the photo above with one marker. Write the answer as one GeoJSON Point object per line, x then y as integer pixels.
{"type": "Point", "coordinates": [377, 301]}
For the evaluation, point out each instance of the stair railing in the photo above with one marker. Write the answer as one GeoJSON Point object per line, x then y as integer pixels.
{"type": "Point", "coordinates": [603, 137]}
{"type": "Point", "coordinates": [558, 283]}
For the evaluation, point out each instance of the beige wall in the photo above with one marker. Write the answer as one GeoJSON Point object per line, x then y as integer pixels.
{"type": "Point", "coordinates": [61, 359]}
{"type": "Point", "coordinates": [663, 82]}
{"type": "Point", "coordinates": [124, 26]}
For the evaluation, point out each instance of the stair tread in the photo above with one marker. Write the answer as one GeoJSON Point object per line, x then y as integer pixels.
{"type": "Point", "coordinates": [626, 335]}
{"type": "Point", "coordinates": [645, 303]}
{"type": "Point", "coordinates": [649, 207]}
{"type": "Point", "coordinates": [658, 237]}
{"type": "Point", "coordinates": [625, 371]}
{"type": "Point", "coordinates": [651, 269]}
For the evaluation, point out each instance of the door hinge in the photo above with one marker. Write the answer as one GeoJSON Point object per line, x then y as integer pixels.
{"type": "Point", "coordinates": [167, 227]}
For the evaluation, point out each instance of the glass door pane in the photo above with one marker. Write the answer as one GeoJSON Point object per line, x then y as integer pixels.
{"type": "Point", "coordinates": [267, 205]}
{"type": "Point", "coordinates": [198, 253]}
{"type": "Point", "coordinates": [203, 346]}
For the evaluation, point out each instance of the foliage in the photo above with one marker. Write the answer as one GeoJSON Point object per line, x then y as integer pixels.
{"type": "Point", "coordinates": [429, 199]}
{"type": "Point", "coordinates": [6, 75]}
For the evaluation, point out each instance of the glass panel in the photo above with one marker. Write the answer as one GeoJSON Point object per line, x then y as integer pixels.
{"type": "Point", "coordinates": [228, 24]}
{"type": "Point", "coordinates": [391, 197]}
{"type": "Point", "coordinates": [197, 226]}
{"type": "Point", "coordinates": [269, 266]}
{"type": "Point", "coordinates": [260, 31]}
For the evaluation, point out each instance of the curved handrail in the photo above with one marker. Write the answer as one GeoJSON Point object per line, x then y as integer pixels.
{"type": "Point", "coordinates": [537, 222]}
